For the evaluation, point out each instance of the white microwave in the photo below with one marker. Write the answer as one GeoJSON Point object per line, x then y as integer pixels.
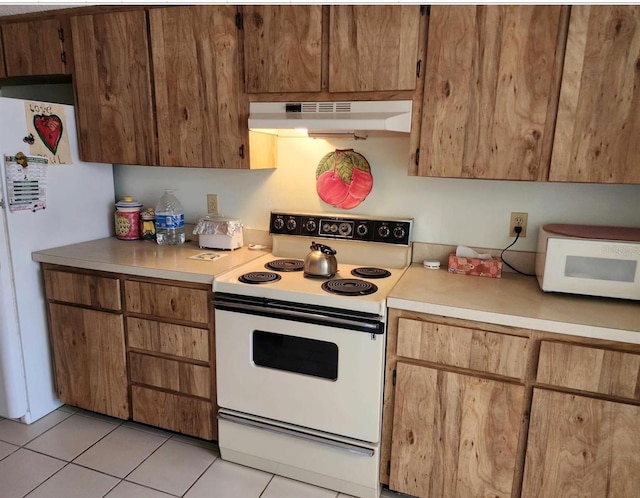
{"type": "Point", "coordinates": [589, 260]}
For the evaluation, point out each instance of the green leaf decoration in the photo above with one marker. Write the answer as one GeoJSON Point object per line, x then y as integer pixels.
{"type": "Point", "coordinates": [343, 162]}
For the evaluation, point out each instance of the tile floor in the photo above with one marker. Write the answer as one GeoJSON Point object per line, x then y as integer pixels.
{"type": "Point", "coordinates": [72, 453]}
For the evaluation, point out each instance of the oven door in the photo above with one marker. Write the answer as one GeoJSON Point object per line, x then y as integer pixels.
{"type": "Point", "coordinates": [301, 368]}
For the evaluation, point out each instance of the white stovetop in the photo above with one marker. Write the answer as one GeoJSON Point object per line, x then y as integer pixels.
{"type": "Point", "coordinates": [295, 287]}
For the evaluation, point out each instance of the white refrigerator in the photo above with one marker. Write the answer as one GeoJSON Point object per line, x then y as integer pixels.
{"type": "Point", "coordinates": [79, 204]}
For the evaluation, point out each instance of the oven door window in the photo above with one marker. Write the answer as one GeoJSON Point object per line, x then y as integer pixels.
{"type": "Point", "coordinates": [295, 354]}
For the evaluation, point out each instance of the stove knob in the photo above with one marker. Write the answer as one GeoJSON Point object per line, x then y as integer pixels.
{"type": "Point", "coordinates": [310, 226]}
{"type": "Point", "coordinates": [334, 228]}
{"type": "Point", "coordinates": [384, 231]}
{"type": "Point", "coordinates": [362, 230]}
{"type": "Point", "coordinates": [344, 229]}
{"type": "Point", "coordinates": [278, 223]}
{"type": "Point", "coordinates": [291, 224]}
{"type": "Point", "coordinates": [399, 232]}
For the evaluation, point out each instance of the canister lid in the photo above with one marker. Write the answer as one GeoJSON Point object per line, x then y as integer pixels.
{"type": "Point", "coordinates": [128, 203]}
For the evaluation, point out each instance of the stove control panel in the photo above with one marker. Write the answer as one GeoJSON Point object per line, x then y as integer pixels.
{"type": "Point", "coordinates": [363, 228]}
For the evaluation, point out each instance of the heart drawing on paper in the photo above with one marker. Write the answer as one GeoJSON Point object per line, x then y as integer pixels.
{"type": "Point", "coordinates": [49, 130]}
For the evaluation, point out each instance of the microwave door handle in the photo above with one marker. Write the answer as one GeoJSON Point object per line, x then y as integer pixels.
{"type": "Point", "coordinates": [351, 448]}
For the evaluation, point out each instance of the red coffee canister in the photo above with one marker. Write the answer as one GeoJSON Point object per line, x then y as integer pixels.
{"type": "Point", "coordinates": [127, 218]}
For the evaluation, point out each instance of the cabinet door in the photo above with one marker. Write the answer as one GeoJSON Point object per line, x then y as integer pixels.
{"type": "Point", "coordinates": [282, 48]}
{"type": "Point", "coordinates": [34, 48]}
{"type": "Point", "coordinates": [488, 89]}
{"type": "Point", "coordinates": [581, 446]}
{"type": "Point", "coordinates": [373, 47]}
{"type": "Point", "coordinates": [112, 79]}
{"type": "Point", "coordinates": [454, 435]}
{"type": "Point", "coordinates": [89, 359]}
{"type": "Point", "coordinates": [197, 82]}
{"type": "Point", "coordinates": [596, 138]}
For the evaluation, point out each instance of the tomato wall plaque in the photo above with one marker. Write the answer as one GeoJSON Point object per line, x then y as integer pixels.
{"type": "Point", "coordinates": [343, 178]}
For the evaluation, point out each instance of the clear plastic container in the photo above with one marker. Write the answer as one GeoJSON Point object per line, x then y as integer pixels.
{"type": "Point", "coordinates": [169, 220]}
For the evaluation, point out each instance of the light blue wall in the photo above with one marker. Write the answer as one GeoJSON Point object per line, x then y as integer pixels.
{"type": "Point", "coordinates": [447, 211]}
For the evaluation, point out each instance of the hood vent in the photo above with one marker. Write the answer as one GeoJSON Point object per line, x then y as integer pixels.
{"type": "Point", "coordinates": [331, 118]}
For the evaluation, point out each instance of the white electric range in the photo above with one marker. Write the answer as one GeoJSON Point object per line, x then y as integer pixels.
{"type": "Point", "coordinates": [300, 360]}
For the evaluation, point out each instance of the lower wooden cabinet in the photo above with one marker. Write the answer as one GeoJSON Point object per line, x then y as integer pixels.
{"type": "Point", "coordinates": [171, 360]}
{"type": "Point", "coordinates": [581, 446]}
{"type": "Point", "coordinates": [177, 413]}
{"type": "Point", "coordinates": [475, 409]}
{"type": "Point", "coordinates": [89, 359]}
{"type": "Point", "coordinates": [132, 347]}
{"type": "Point", "coordinates": [454, 435]}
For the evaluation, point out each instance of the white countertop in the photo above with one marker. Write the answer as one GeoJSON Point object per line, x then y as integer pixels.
{"type": "Point", "coordinates": [517, 301]}
{"type": "Point", "coordinates": [147, 259]}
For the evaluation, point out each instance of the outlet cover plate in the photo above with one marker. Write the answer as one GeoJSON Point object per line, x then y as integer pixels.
{"type": "Point", "coordinates": [518, 219]}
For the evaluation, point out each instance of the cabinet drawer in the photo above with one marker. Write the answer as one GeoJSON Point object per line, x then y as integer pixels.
{"type": "Point", "coordinates": [159, 300]}
{"type": "Point", "coordinates": [167, 338]}
{"type": "Point", "coordinates": [79, 288]}
{"type": "Point", "coordinates": [177, 413]}
{"type": "Point", "coordinates": [589, 369]}
{"type": "Point", "coordinates": [478, 350]}
{"type": "Point", "coordinates": [170, 374]}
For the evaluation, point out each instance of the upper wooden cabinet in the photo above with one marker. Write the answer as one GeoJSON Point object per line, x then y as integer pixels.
{"type": "Point", "coordinates": [373, 47]}
{"type": "Point", "coordinates": [282, 48]}
{"type": "Point", "coordinates": [596, 138]}
{"type": "Point", "coordinates": [337, 48]}
{"type": "Point", "coordinates": [34, 48]}
{"type": "Point", "coordinates": [196, 68]}
{"type": "Point", "coordinates": [490, 91]}
{"type": "Point", "coordinates": [114, 108]}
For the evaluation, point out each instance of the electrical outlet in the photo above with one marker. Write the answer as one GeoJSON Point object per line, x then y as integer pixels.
{"type": "Point", "coordinates": [212, 203]}
{"type": "Point", "coordinates": [518, 220]}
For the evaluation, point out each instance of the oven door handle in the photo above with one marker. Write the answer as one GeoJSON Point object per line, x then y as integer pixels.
{"type": "Point", "coordinates": [302, 316]}
{"type": "Point", "coordinates": [351, 448]}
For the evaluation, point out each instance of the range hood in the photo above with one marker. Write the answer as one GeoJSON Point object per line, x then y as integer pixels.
{"type": "Point", "coordinates": [331, 119]}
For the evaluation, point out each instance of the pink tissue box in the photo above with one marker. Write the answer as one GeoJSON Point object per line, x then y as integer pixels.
{"type": "Point", "coordinates": [473, 266]}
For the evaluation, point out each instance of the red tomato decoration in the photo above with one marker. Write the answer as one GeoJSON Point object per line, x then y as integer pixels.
{"type": "Point", "coordinates": [331, 188]}
{"type": "Point", "coordinates": [343, 178]}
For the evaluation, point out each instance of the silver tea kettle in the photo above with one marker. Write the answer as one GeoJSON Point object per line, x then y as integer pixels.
{"type": "Point", "coordinates": [320, 262]}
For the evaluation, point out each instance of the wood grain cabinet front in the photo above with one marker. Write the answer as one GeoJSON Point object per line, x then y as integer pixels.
{"type": "Point", "coordinates": [35, 48]}
{"type": "Point", "coordinates": [581, 446]}
{"type": "Point", "coordinates": [596, 135]}
{"type": "Point", "coordinates": [454, 407]}
{"type": "Point", "coordinates": [197, 82]}
{"type": "Point", "coordinates": [86, 330]}
{"type": "Point", "coordinates": [345, 49]}
{"type": "Point", "coordinates": [490, 91]}
{"type": "Point", "coordinates": [170, 352]}
{"type": "Point", "coordinates": [112, 83]}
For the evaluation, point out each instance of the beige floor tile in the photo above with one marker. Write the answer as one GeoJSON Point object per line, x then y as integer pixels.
{"type": "Point", "coordinates": [74, 481]}
{"type": "Point", "coordinates": [120, 451]}
{"type": "Point", "coordinates": [71, 437]}
{"type": "Point", "coordinates": [20, 434]}
{"type": "Point", "coordinates": [147, 428]}
{"type": "Point", "coordinates": [203, 443]}
{"type": "Point", "coordinates": [130, 490]}
{"type": "Point", "coordinates": [281, 487]}
{"type": "Point", "coordinates": [173, 468]}
{"type": "Point", "coordinates": [226, 479]}
{"type": "Point", "coordinates": [6, 449]}
{"type": "Point", "coordinates": [68, 409]}
{"type": "Point", "coordinates": [23, 470]}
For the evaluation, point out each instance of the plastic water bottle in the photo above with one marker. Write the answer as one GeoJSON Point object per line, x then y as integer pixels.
{"type": "Point", "coordinates": [169, 220]}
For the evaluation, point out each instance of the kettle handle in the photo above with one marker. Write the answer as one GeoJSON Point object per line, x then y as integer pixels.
{"type": "Point", "coordinates": [323, 249]}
